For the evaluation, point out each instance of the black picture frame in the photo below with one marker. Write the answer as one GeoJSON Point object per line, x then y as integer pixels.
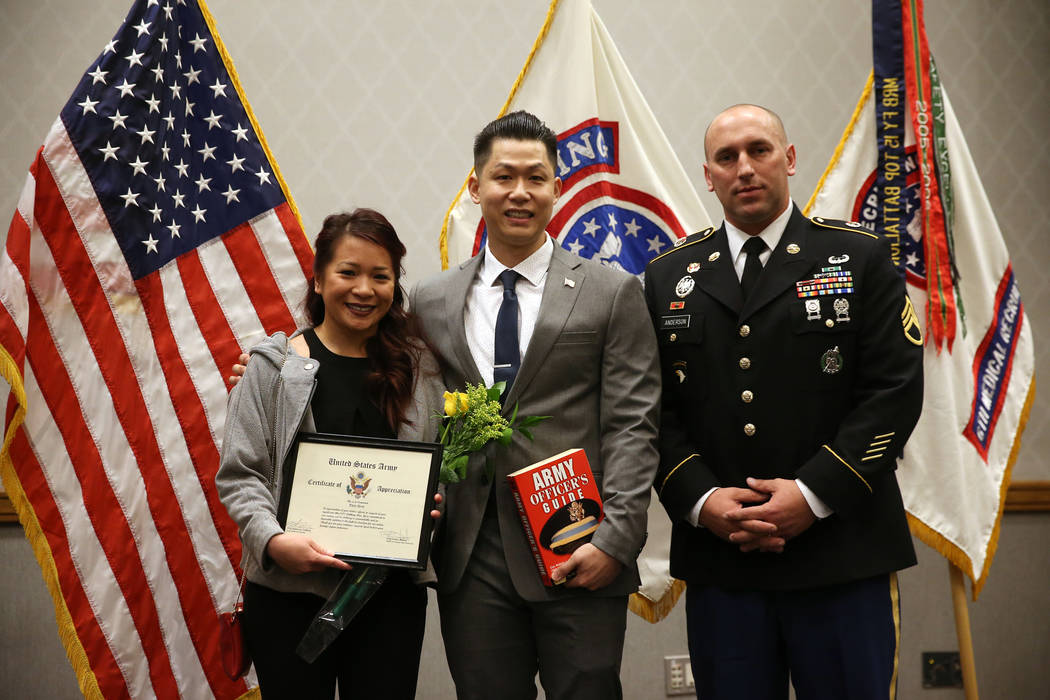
{"type": "Point", "coordinates": [354, 463]}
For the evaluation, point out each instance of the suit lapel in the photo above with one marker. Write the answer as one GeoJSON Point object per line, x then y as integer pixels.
{"type": "Point", "coordinates": [564, 281]}
{"type": "Point", "coordinates": [717, 278]}
{"type": "Point", "coordinates": [455, 304]}
{"type": "Point", "coordinates": [784, 267]}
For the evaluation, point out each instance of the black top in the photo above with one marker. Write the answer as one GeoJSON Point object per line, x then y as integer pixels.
{"type": "Point", "coordinates": [339, 404]}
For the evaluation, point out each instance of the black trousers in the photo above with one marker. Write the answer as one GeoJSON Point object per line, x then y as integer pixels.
{"type": "Point", "coordinates": [377, 656]}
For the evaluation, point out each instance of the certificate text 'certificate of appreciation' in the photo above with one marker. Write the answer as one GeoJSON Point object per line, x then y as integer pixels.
{"type": "Point", "coordinates": [365, 499]}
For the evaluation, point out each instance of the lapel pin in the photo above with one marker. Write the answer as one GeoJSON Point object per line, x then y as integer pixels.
{"type": "Point", "coordinates": [692, 267]}
{"type": "Point", "coordinates": [792, 248]}
{"type": "Point", "coordinates": [713, 256]}
{"type": "Point", "coordinates": [570, 283]}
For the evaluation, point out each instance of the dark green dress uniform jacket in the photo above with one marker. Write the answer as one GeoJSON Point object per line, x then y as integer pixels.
{"type": "Point", "coordinates": [827, 392]}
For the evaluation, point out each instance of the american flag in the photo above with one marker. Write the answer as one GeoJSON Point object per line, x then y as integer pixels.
{"type": "Point", "coordinates": [153, 240]}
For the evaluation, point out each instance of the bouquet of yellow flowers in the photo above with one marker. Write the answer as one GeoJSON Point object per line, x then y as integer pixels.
{"type": "Point", "coordinates": [472, 419]}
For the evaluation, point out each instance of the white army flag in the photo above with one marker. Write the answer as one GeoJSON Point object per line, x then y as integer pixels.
{"type": "Point", "coordinates": [978, 391]}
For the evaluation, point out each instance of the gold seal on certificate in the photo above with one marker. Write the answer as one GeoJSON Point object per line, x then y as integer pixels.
{"type": "Point", "coordinates": [365, 499]}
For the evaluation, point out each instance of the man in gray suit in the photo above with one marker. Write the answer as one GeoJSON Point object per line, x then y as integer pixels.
{"type": "Point", "coordinates": [573, 341]}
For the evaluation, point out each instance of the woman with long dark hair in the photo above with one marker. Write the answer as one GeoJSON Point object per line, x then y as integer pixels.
{"type": "Point", "coordinates": [362, 367]}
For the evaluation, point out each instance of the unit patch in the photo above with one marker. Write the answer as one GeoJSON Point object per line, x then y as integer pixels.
{"type": "Point", "coordinates": [679, 370]}
{"type": "Point", "coordinates": [692, 267]}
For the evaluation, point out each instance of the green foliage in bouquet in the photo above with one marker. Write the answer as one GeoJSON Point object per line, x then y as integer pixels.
{"type": "Point", "coordinates": [472, 419]}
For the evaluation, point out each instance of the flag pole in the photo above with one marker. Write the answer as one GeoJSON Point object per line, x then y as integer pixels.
{"type": "Point", "coordinates": [962, 632]}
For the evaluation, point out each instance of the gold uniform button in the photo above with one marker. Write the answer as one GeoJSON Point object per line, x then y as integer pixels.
{"type": "Point", "coordinates": [829, 323]}
{"type": "Point", "coordinates": [745, 331]}
{"type": "Point", "coordinates": [746, 396]}
{"type": "Point", "coordinates": [674, 337]}
{"type": "Point", "coordinates": [749, 429]}
{"type": "Point", "coordinates": [745, 363]}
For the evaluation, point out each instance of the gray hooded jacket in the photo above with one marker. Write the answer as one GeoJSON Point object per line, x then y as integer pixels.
{"type": "Point", "coordinates": [267, 408]}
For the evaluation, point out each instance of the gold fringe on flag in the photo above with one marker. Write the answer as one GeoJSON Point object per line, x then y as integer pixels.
{"type": "Point", "coordinates": [67, 632]}
{"type": "Point", "coordinates": [842, 142]}
{"type": "Point", "coordinates": [948, 549]}
{"type": "Point", "coordinates": [654, 611]}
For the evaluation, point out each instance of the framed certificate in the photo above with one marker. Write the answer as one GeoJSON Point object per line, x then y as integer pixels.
{"type": "Point", "coordinates": [365, 499]}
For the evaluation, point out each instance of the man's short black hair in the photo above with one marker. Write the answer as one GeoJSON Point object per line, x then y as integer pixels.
{"type": "Point", "coordinates": [517, 126]}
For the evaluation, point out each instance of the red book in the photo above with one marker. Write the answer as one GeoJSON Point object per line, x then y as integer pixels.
{"type": "Point", "coordinates": [559, 505]}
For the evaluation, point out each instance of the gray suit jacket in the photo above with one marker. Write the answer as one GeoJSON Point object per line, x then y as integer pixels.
{"type": "Point", "coordinates": [592, 365]}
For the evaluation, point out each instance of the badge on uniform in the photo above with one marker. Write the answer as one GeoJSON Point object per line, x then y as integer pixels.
{"type": "Point", "coordinates": [676, 305]}
{"type": "Point", "coordinates": [671, 322]}
{"type": "Point", "coordinates": [831, 361]}
{"type": "Point", "coordinates": [830, 280]}
{"type": "Point", "coordinates": [713, 256]}
{"type": "Point", "coordinates": [877, 447]}
{"type": "Point", "coordinates": [692, 267]}
{"type": "Point", "coordinates": [679, 370]}
{"type": "Point", "coordinates": [841, 307]}
{"type": "Point", "coordinates": [793, 249]}
{"type": "Point", "coordinates": [910, 321]}
{"type": "Point", "coordinates": [684, 286]}
{"type": "Point", "coordinates": [838, 259]}
{"type": "Point", "coordinates": [812, 309]}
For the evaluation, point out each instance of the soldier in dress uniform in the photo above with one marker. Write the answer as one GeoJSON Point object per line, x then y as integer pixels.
{"type": "Point", "coordinates": [792, 377]}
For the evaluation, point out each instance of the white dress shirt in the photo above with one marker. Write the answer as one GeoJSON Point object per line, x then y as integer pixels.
{"type": "Point", "coordinates": [486, 295]}
{"type": "Point", "coordinates": [736, 238]}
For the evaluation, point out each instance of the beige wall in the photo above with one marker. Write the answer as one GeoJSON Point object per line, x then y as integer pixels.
{"type": "Point", "coordinates": [375, 103]}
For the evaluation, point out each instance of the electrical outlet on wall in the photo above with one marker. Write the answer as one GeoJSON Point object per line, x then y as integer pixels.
{"type": "Point", "coordinates": [941, 669]}
{"type": "Point", "coordinates": [678, 676]}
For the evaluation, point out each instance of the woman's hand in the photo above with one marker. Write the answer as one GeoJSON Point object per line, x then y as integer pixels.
{"type": "Point", "coordinates": [238, 369]}
{"type": "Point", "coordinates": [298, 554]}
